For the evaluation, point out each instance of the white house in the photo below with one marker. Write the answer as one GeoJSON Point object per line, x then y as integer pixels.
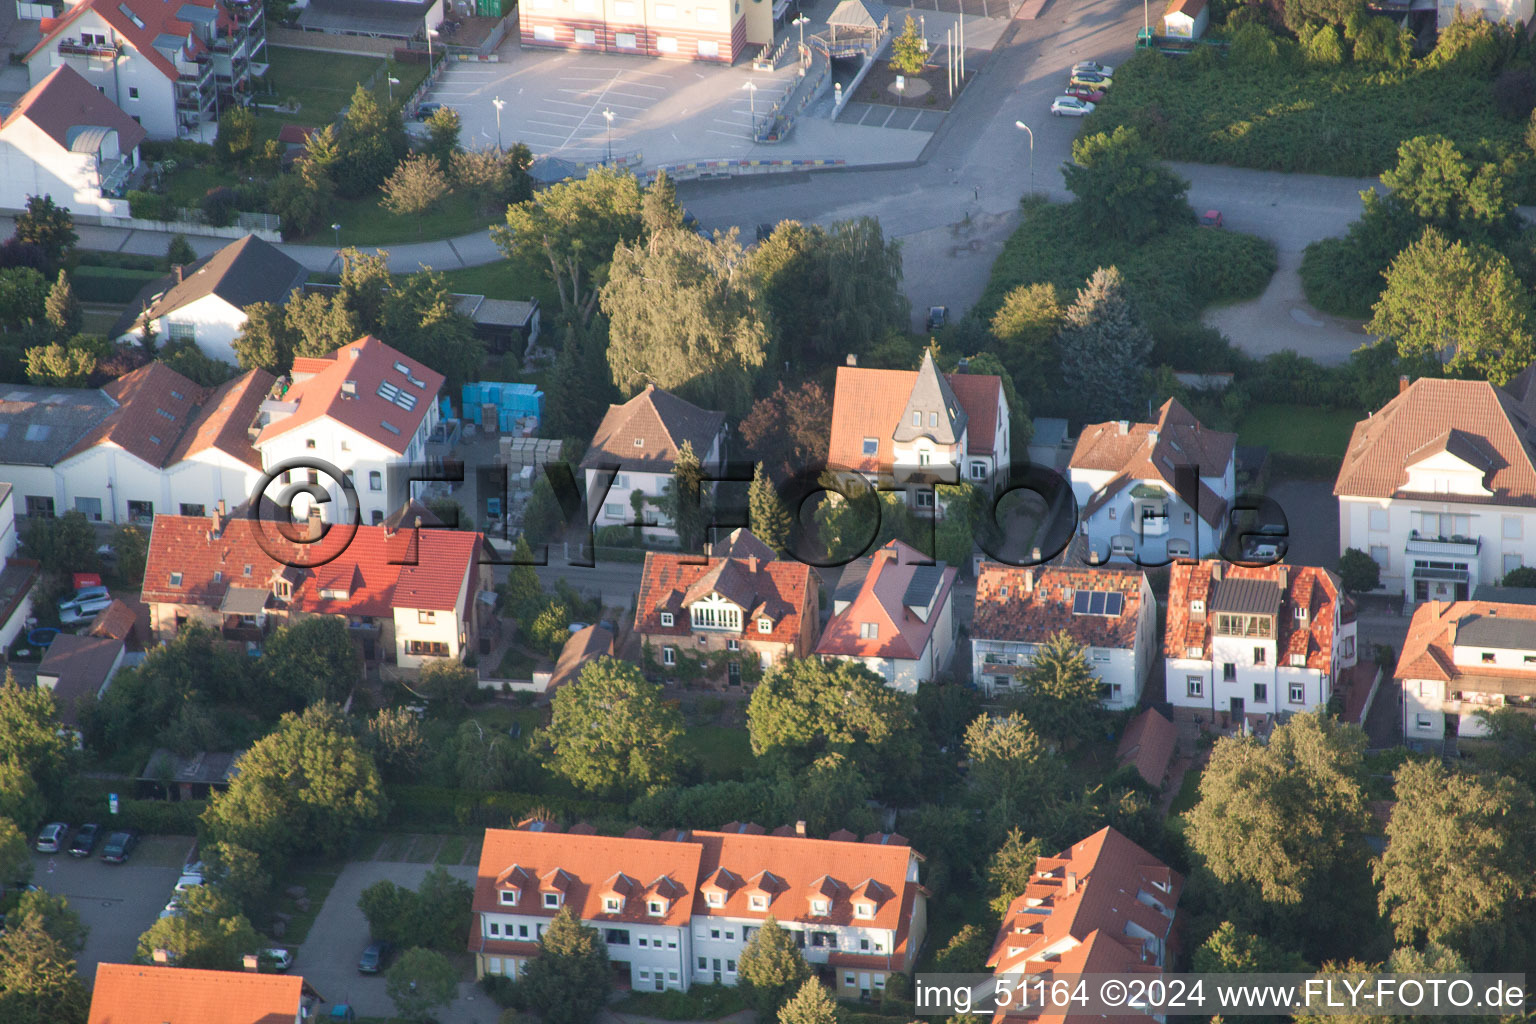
{"type": "Point", "coordinates": [1110, 612]}
{"type": "Point", "coordinates": [1186, 19]}
{"type": "Point", "coordinates": [1254, 642]}
{"type": "Point", "coordinates": [1461, 657]}
{"type": "Point", "coordinates": [368, 411]}
{"type": "Point", "coordinates": [1513, 11]}
{"type": "Point", "coordinates": [204, 302]}
{"type": "Point", "coordinates": [676, 910]}
{"type": "Point", "coordinates": [917, 428]}
{"type": "Point", "coordinates": [170, 66]}
{"type": "Point", "coordinates": [638, 442]}
{"type": "Point", "coordinates": [1439, 486]}
{"type": "Point", "coordinates": [17, 576]}
{"type": "Point", "coordinates": [68, 141]}
{"type": "Point", "coordinates": [893, 612]}
{"type": "Point", "coordinates": [1157, 491]}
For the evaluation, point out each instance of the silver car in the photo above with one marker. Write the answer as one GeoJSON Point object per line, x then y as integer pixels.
{"type": "Point", "coordinates": [51, 838]}
{"type": "Point", "coordinates": [83, 610]}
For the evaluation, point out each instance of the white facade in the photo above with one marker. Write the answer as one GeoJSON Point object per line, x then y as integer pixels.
{"type": "Point", "coordinates": [616, 506]}
{"type": "Point", "coordinates": [1148, 519]}
{"type": "Point", "coordinates": [423, 636]}
{"type": "Point", "coordinates": [1432, 549]}
{"type": "Point", "coordinates": [33, 164]}
{"type": "Point", "coordinates": [1512, 11]}
{"type": "Point", "coordinates": [209, 321]}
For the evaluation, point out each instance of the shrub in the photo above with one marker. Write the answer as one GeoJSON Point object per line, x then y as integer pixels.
{"type": "Point", "coordinates": [219, 206]}
{"type": "Point", "coordinates": [1514, 94]}
{"type": "Point", "coordinates": [148, 205]}
{"type": "Point", "coordinates": [160, 817]}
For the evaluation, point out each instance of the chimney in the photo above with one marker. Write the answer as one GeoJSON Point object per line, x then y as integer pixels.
{"type": "Point", "coordinates": [316, 527]}
{"type": "Point", "coordinates": [752, 564]}
{"type": "Point", "coordinates": [1453, 628]}
{"type": "Point", "coordinates": [800, 828]}
{"type": "Point", "coordinates": [356, 352]}
{"type": "Point", "coordinates": [1402, 383]}
{"type": "Point", "coordinates": [1071, 882]}
{"type": "Point", "coordinates": [1216, 571]}
{"type": "Point", "coordinates": [1152, 434]}
{"type": "Point", "coordinates": [1034, 555]}
{"type": "Point", "coordinates": [1285, 575]}
{"type": "Point", "coordinates": [418, 522]}
{"type": "Point", "coordinates": [220, 519]}
{"type": "Point", "coordinates": [1093, 557]}
{"type": "Point", "coordinates": [349, 389]}
{"type": "Point", "coordinates": [177, 270]}
{"type": "Point", "coordinates": [1029, 580]}
{"type": "Point", "coordinates": [853, 359]}
{"type": "Point", "coordinates": [1125, 427]}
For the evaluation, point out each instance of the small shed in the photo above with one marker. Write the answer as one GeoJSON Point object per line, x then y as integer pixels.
{"type": "Point", "coordinates": [1186, 19]}
{"type": "Point", "coordinates": [1149, 744]}
{"type": "Point", "coordinates": [1048, 441]}
{"type": "Point", "coordinates": [859, 19]}
{"type": "Point", "coordinates": [190, 778]}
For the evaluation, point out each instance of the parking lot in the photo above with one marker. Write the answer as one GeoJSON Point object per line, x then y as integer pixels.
{"type": "Point", "coordinates": [118, 902]}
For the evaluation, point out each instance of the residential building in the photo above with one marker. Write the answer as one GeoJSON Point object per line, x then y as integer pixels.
{"type": "Point", "coordinates": [17, 575]}
{"type": "Point", "coordinates": [367, 410]}
{"type": "Point", "coordinates": [1439, 486]}
{"type": "Point", "coordinates": [676, 910]}
{"type": "Point", "coordinates": [912, 429]}
{"type": "Point", "coordinates": [1515, 12]}
{"type": "Point", "coordinates": [1102, 906]}
{"type": "Point", "coordinates": [1111, 613]}
{"type": "Point", "coordinates": [171, 776]}
{"type": "Point", "coordinates": [204, 302]}
{"type": "Point", "coordinates": [710, 30]}
{"type": "Point", "coordinates": [409, 596]}
{"type": "Point", "coordinates": [1185, 19]}
{"type": "Point", "coordinates": [1148, 745]}
{"type": "Point", "coordinates": [77, 667]}
{"type": "Point", "coordinates": [585, 645]}
{"type": "Point", "coordinates": [1255, 641]}
{"type": "Point", "coordinates": [140, 994]}
{"type": "Point", "coordinates": [893, 612]}
{"type": "Point", "coordinates": [1462, 657]}
{"type": "Point", "coordinates": [171, 67]}
{"type": "Point", "coordinates": [1156, 491]}
{"type": "Point", "coordinates": [742, 608]}
{"type": "Point", "coordinates": [66, 140]}
{"type": "Point", "coordinates": [637, 444]}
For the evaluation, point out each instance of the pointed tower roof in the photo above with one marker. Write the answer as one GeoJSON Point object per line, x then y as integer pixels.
{"type": "Point", "coordinates": [931, 394]}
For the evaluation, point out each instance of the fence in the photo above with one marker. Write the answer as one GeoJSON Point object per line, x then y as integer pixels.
{"type": "Point", "coordinates": [324, 42]}
{"type": "Point", "coordinates": [263, 225]}
{"type": "Point", "coordinates": [698, 169]}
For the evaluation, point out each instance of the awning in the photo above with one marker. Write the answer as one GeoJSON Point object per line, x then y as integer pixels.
{"type": "Point", "coordinates": [1454, 575]}
{"type": "Point", "coordinates": [244, 601]}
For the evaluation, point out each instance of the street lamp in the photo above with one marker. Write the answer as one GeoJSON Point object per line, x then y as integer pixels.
{"type": "Point", "coordinates": [608, 116]}
{"type": "Point", "coordinates": [430, 33]}
{"type": "Point", "coordinates": [800, 22]}
{"type": "Point", "coordinates": [392, 83]}
{"type": "Point", "coordinates": [499, 103]}
{"type": "Point", "coordinates": [337, 228]}
{"type": "Point", "coordinates": [1021, 124]}
{"type": "Point", "coordinates": [751, 90]}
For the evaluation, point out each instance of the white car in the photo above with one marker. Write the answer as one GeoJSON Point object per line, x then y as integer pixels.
{"type": "Point", "coordinates": [1093, 67]}
{"type": "Point", "coordinates": [84, 610]}
{"type": "Point", "coordinates": [1070, 106]}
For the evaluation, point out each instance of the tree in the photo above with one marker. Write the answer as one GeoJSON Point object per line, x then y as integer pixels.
{"type": "Point", "coordinates": [306, 786]}
{"type": "Point", "coordinates": [494, 177]}
{"type": "Point", "coordinates": [55, 916]}
{"type": "Point", "coordinates": [813, 1004]}
{"type": "Point", "coordinates": [210, 932]}
{"type": "Point", "coordinates": [30, 740]}
{"type": "Point", "coordinates": [239, 873]}
{"type": "Point", "coordinates": [612, 732]}
{"type": "Point", "coordinates": [310, 660]}
{"type": "Point", "coordinates": [131, 544]}
{"type": "Point", "coordinates": [1525, 576]}
{"type": "Point", "coordinates": [570, 230]}
{"type": "Point", "coordinates": [62, 310]}
{"type": "Point", "coordinates": [430, 918]}
{"type": "Point", "coordinates": [1122, 189]}
{"type": "Point", "coordinates": [419, 317]}
{"type": "Point", "coordinates": [1279, 818]}
{"type": "Point", "coordinates": [659, 210]}
{"type": "Point", "coordinates": [770, 968]}
{"type": "Point", "coordinates": [787, 430]}
{"type": "Point", "coordinates": [38, 982]}
{"type": "Point", "coordinates": [1007, 757]}
{"type": "Point", "coordinates": [1460, 305]}
{"type": "Point", "coordinates": [302, 197]}
{"type": "Point", "coordinates": [449, 682]}
{"type": "Point", "coordinates": [1061, 695]}
{"type": "Point", "coordinates": [580, 384]}
{"type": "Point", "coordinates": [415, 188]}
{"type": "Point", "coordinates": [966, 952]}
{"type": "Point", "coordinates": [1232, 951]}
{"type": "Point", "coordinates": [568, 982]}
{"type": "Point", "coordinates": [60, 366]}
{"type": "Point", "coordinates": [1104, 348]}
{"type": "Point", "coordinates": [63, 545]}
{"type": "Point", "coordinates": [909, 50]}
{"type": "Point", "coordinates": [1435, 183]}
{"type": "Point", "coordinates": [23, 297]}
{"type": "Point", "coordinates": [420, 980]}
{"type": "Point", "coordinates": [318, 324]}
{"type": "Point", "coordinates": [684, 314]}
{"type": "Point", "coordinates": [1359, 572]}
{"type": "Point", "coordinates": [372, 141]}
{"type": "Point", "coordinates": [550, 628]}
{"type": "Point", "coordinates": [685, 498]}
{"type": "Point", "coordinates": [522, 593]}
{"type": "Point", "coordinates": [770, 520]}
{"type": "Point", "coordinates": [1457, 869]}
{"type": "Point", "coordinates": [394, 736]}
{"type": "Point", "coordinates": [183, 356]}
{"type": "Point", "coordinates": [49, 227]}
{"type": "Point", "coordinates": [443, 133]}
{"type": "Point", "coordinates": [235, 142]}
{"type": "Point", "coordinates": [179, 252]}
{"type": "Point", "coordinates": [1025, 327]}
{"type": "Point", "coordinates": [19, 801]}
{"type": "Point", "coordinates": [489, 759]}
{"type": "Point", "coordinates": [1010, 869]}
{"type": "Point", "coordinates": [15, 854]}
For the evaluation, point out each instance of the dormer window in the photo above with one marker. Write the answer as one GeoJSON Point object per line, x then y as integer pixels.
{"type": "Point", "coordinates": [612, 904]}
{"type": "Point", "coordinates": [666, 618]}
{"type": "Point", "coordinates": [639, 442]}
{"type": "Point", "coordinates": [1197, 607]}
{"type": "Point", "coordinates": [552, 900]}
{"type": "Point", "coordinates": [282, 588]}
{"type": "Point", "coordinates": [175, 579]}
{"type": "Point", "coordinates": [765, 625]}
{"type": "Point", "coordinates": [820, 908]}
{"type": "Point", "coordinates": [1301, 612]}
{"type": "Point", "coordinates": [758, 901]}
{"type": "Point", "coordinates": [656, 908]}
{"type": "Point", "coordinates": [509, 897]}
{"type": "Point", "coordinates": [1298, 661]}
{"type": "Point", "coordinates": [864, 910]}
{"type": "Point", "coordinates": [1194, 652]}
{"type": "Point", "coordinates": [715, 899]}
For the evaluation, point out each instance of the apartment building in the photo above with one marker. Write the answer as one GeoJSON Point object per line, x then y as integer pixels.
{"type": "Point", "coordinates": [706, 30]}
{"type": "Point", "coordinates": [1461, 657]}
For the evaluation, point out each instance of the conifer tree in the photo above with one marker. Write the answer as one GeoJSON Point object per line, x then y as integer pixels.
{"type": "Point", "coordinates": [1104, 349]}
{"type": "Point", "coordinates": [769, 518]}
{"type": "Point", "coordinates": [813, 1004]}
{"type": "Point", "coordinates": [62, 310]}
{"type": "Point", "coordinates": [686, 498]}
{"type": "Point", "coordinates": [771, 969]}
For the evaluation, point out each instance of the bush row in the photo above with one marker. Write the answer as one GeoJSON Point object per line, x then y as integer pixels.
{"type": "Point", "coordinates": [433, 805]}
{"type": "Point", "coordinates": [114, 285]}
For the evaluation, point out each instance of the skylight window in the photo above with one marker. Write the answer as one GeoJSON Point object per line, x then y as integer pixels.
{"type": "Point", "coordinates": [167, 415]}
{"type": "Point", "coordinates": [178, 396]}
{"type": "Point", "coordinates": [392, 393]}
{"type": "Point", "coordinates": [389, 426]}
{"type": "Point", "coordinates": [38, 431]}
{"type": "Point", "coordinates": [154, 439]}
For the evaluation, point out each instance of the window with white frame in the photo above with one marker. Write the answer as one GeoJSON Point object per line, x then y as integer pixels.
{"type": "Point", "coordinates": [1435, 524]}
{"type": "Point", "coordinates": [669, 655]}
{"type": "Point", "coordinates": [869, 631]}
{"type": "Point", "coordinates": [1514, 527]}
{"type": "Point", "coordinates": [666, 618]}
{"type": "Point", "coordinates": [733, 644]}
{"type": "Point", "coordinates": [820, 907]}
{"type": "Point", "coordinates": [1194, 686]}
{"type": "Point", "coordinates": [666, 44]}
{"type": "Point", "coordinates": [864, 910]}
{"type": "Point", "coordinates": [543, 33]}
{"type": "Point", "coordinates": [1379, 520]}
{"type": "Point", "coordinates": [1298, 693]}
{"type": "Point", "coordinates": [613, 510]}
{"type": "Point", "coordinates": [612, 904]}
{"type": "Point", "coordinates": [666, 12]}
{"type": "Point", "coordinates": [708, 48]}
{"type": "Point", "coordinates": [1421, 722]}
{"type": "Point", "coordinates": [765, 625]}
{"type": "Point", "coordinates": [656, 908]}
{"type": "Point", "coordinates": [586, 37]}
{"type": "Point", "coordinates": [552, 899]}
{"type": "Point", "coordinates": [625, 41]}
{"type": "Point", "coordinates": [715, 899]}
{"type": "Point", "coordinates": [509, 897]}
{"type": "Point", "coordinates": [182, 331]}
{"type": "Point", "coordinates": [1512, 562]}
{"type": "Point", "coordinates": [758, 902]}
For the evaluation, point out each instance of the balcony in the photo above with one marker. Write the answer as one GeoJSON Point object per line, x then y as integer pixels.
{"type": "Point", "coordinates": [74, 48]}
{"type": "Point", "coordinates": [1454, 546]}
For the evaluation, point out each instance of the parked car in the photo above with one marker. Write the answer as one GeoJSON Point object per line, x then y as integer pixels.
{"type": "Point", "coordinates": [186, 882]}
{"type": "Point", "coordinates": [85, 840]}
{"type": "Point", "coordinates": [1211, 219]}
{"type": "Point", "coordinates": [1085, 92]}
{"type": "Point", "coordinates": [51, 839]}
{"type": "Point", "coordinates": [119, 846]}
{"type": "Point", "coordinates": [83, 610]}
{"type": "Point", "coordinates": [375, 958]}
{"type": "Point", "coordinates": [1093, 67]}
{"type": "Point", "coordinates": [83, 594]}
{"type": "Point", "coordinates": [426, 110]}
{"type": "Point", "coordinates": [173, 908]}
{"type": "Point", "coordinates": [1092, 78]}
{"type": "Point", "coordinates": [938, 316]}
{"type": "Point", "coordinates": [276, 959]}
{"type": "Point", "coordinates": [1071, 106]}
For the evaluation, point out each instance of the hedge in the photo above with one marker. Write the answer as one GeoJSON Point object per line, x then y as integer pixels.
{"type": "Point", "coordinates": [435, 805]}
{"type": "Point", "coordinates": [111, 285]}
{"type": "Point", "coordinates": [159, 817]}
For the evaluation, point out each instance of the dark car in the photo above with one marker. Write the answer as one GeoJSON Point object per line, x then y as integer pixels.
{"type": "Point", "coordinates": [375, 958]}
{"type": "Point", "coordinates": [85, 841]}
{"type": "Point", "coordinates": [119, 846]}
{"type": "Point", "coordinates": [938, 316]}
{"type": "Point", "coordinates": [426, 110]}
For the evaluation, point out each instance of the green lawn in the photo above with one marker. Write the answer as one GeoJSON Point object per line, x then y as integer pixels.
{"type": "Point", "coordinates": [364, 222]}
{"type": "Point", "coordinates": [322, 83]}
{"type": "Point", "coordinates": [1299, 430]}
{"type": "Point", "coordinates": [1189, 795]}
{"type": "Point", "coordinates": [318, 883]}
{"type": "Point", "coordinates": [723, 752]}
{"type": "Point", "coordinates": [503, 280]}
{"type": "Point", "coordinates": [452, 850]}
{"type": "Point", "coordinates": [190, 182]}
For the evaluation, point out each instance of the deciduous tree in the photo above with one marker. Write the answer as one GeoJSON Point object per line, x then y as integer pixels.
{"type": "Point", "coordinates": [443, 133]}
{"type": "Point", "coordinates": [210, 932]}
{"type": "Point", "coordinates": [311, 659]}
{"type": "Point", "coordinates": [15, 855]}
{"type": "Point", "coordinates": [394, 736]}
{"type": "Point", "coordinates": [55, 915]}
{"type": "Point", "coordinates": [770, 968]}
{"type": "Point", "coordinates": [48, 226]}
{"type": "Point", "coordinates": [419, 317]}
{"type": "Point", "coordinates": [787, 430]}
{"type": "Point", "coordinates": [38, 982]}
{"type": "Point", "coordinates": [30, 740]}
{"type": "Point", "coordinates": [420, 980]}
{"type": "Point", "coordinates": [239, 872]}
{"type": "Point", "coordinates": [1359, 572]}
{"type": "Point", "coordinates": [568, 982]}
{"type": "Point", "coordinates": [265, 341]}
{"type": "Point", "coordinates": [909, 50]}
{"type": "Point", "coordinates": [1122, 189]}
{"type": "Point", "coordinates": [416, 187]}
{"type": "Point", "coordinates": [23, 297]}
{"type": "Point", "coordinates": [58, 365]}
{"type": "Point", "coordinates": [1104, 348]}
{"type": "Point", "coordinates": [612, 732]}
{"type": "Point", "coordinates": [372, 141]}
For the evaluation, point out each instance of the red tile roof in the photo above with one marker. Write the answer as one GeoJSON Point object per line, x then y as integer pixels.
{"type": "Point", "coordinates": [1089, 895]}
{"type": "Point", "coordinates": [1149, 743]}
{"type": "Point", "coordinates": [1475, 420]}
{"type": "Point", "coordinates": [117, 621]}
{"type": "Point", "coordinates": [869, 403]}
{"type": "Point", "coordinates": [150, 19]}
{"type": "Point", "coordinates": [1151, 451]}
{"type": "Point", "coordinates": [776, 589]}
{"type": "Point", "coordinates": [660, 422]}
{"type": "Point", "coordinates": [426, 569]}
{"type": "Point", "coordinates": [1039, 604]}
{"type": "Point", "coordinates": [133, 994]}
{"type": "Point", "coordinates": [155, 405]}
{"type": "Point", "coordinates": [899, 633]}
{"type": "Point", "coordinates": [369, 364]}
{"type": "Point", "coordinates": [1302, 586]}
{"type": "Point", "coordinates": [223, 423]}
{"type": "Point", "coordinates": [64, 101]}
{"type": "Point", "coordinates": [1427, 650]}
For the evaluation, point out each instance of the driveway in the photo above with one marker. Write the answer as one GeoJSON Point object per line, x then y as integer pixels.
{"type": "Point", "coordinates": [1312, 514]}
{"type": "Point", "coordinates": [118, 902]}
{"type": "Point", "coordinates": [328, 957]}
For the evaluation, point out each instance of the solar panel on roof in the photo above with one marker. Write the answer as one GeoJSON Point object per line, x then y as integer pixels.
{"type": "Point", "coordinates": [1096, 603]}
{"type": "Point", "coordinates": [1114, 604]}
{"type": "Point", "coordinates": [1080, 602]}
